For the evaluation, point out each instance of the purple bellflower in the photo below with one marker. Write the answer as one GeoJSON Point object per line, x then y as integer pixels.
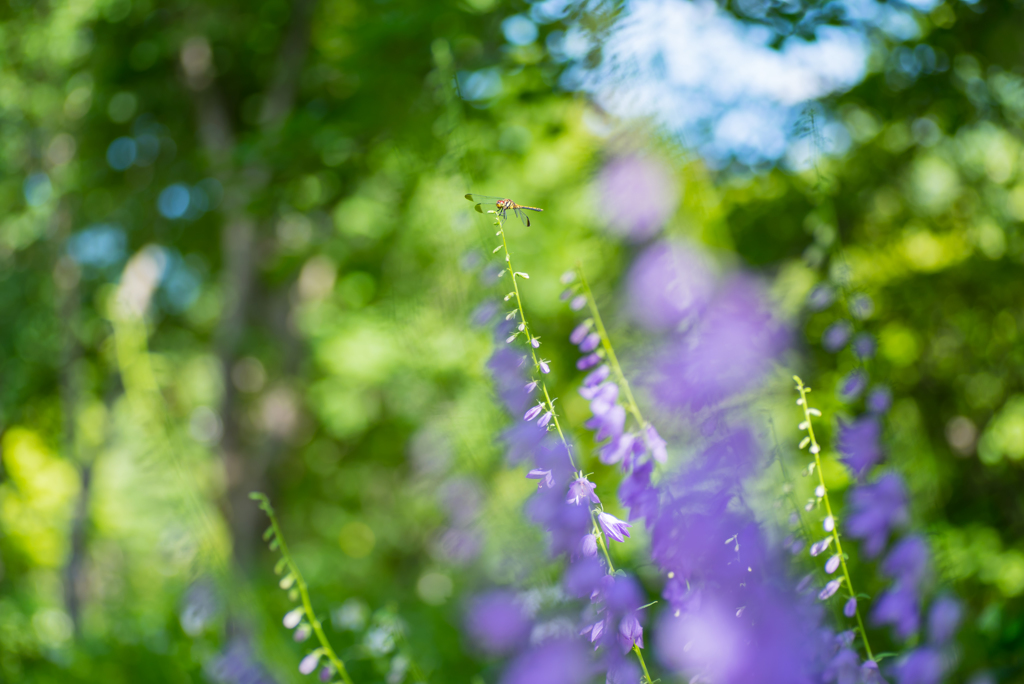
{"type": "Point", "coordinates": [613, 527]}
{"type": "Point", "coordinates": [496, 622]}
{"type": "Point", "coordinates": [668, 283]}
{"type": "Point", "coordinates": [582, 490]}
{"type": "Point", "coordinates": [836, 336]}
{"type": "Point", "coordinates": [875, 509]}
{"type": "Point", "coordinates": [637, 195]}
{"type": "Point", "coordinates": [859, 444]}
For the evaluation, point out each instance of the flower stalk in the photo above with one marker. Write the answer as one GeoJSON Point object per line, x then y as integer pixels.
{"type": "Point", "coordinates": [822, 491]}
{"type": "Point", "coordinates": [274, 534]}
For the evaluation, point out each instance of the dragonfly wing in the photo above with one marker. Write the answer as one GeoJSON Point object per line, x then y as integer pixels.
{"type": "Point", "coordinates": [522, 216]}
{"type": "Point", "coordinates": [479, 208]}
{"type": "Point", "coordinates": [482, 199]}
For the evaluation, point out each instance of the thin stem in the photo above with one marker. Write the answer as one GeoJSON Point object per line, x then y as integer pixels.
{"type": "Point", "coordinates": [526, 331]}
{"type": "Point", "coordinates": [300, 583]}
{"type": "Point", "coordinates": [816, 450]}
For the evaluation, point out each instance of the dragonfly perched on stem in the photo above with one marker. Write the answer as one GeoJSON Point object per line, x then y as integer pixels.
{"type": "Point", "coordinates": [502, 205]}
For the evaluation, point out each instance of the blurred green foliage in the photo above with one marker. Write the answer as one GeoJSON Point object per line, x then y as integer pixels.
{"type": "Point", "coordinates": [234, 256]}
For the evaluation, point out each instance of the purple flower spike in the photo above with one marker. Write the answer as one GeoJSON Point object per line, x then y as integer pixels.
{"type": "Point", "coordinates": [657, 445]}
{"type": "Point", "coordinates": [544, 367]}
{"type": "Point", "coordinates": [830, 589]}
{"type": "Point", "coordinates": [836, 336]}
{"type": "Point", "coordinates": [589, 546]}
{"type": "Point", "coordinates": [588, 361]}
{"type": "Point", "coordinates": [579, 332]}
{"type": "Point", "coordinates": [590, 343]}
{"type": "Point", "coordinates": [545, 419]}
{"type": "Point", "coordinates": [578, 302]}
{"type": "Point", "coordinates": [545, 477]}
{"type": "Point", "coordinates": [582, 490]}
{"type": "Point", "coordinates": [534, 412]}
{"type": "Point", "coordinates": [850, 609]}
{"type": "Point", "coordinates": [310, 662]}
{"type": "Point", "coordinates": [832, 564]}
{"type": "Point", "coordinates": [613, 527]}
{"type": "Point", "coordinates": [596, 376]}
{"type": "Point", "coordinates": [630, 632]}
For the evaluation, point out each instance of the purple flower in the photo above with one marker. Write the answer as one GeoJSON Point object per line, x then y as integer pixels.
{"type": "Point", "coordinates": [836, 336]}
{"type": "Point", "coordinates": [582, 489]}
{"type": "Point", "coordinates": [850, 609]}
{"type": "Point", "coordinates": [907, 562]}
{"type": "Point", "coordinates": [843, 668]}
{"type": "Point", "coordinates": [531, 386]}
{"type": "Point", "coordinates": [596, 376]}
{"type": "Point", "coordinates": [637, 195]}
{"type": "Point", "coordinates": [819, 546]}
{"type": "Point", "coordinates": [613, 527]}
{"type": "Point", "coordinates": [588, 361]}
{"type": "Point", "coordinates": [869, 673]}
{"type": "Point", "coordinates": [875, 509]}
{"type": "Point", "coordinates": [820, 298]}
{"type": "Point", "coordinates": [604, 398]}
{"type": "Point", "coordinates": [921, 666]}
{"type": "Point", "coordinates": [545, 419]}
{"type": "Point", "coordinates": [657, 445]}
{"type": "Point", "coordinates": [588, 546]}
{"type": "Point", "coordinates": [879, 400]}
{"type": "Point", "coordinates": [534, 412]}
{"type": "Point", "coordinates": [859, 444]}
{"type": "Point", "coordinates": [669, 282]}
{"type": "Point", "coordinates": [579, 332]}
{"type": "Point", "coordinates": [864, 346]}
{"type": "Point", "coordinates": [637, 494]}
{"type": "Point", "coordinates": [852, 385]}
{"type": "Point", "coordinates": [310, 662]}
{"type": "Point", "coordinates": [899, 607]}
{"type": "Point", "coordinates": [832, 564]}
{"type": "Point", "coordinates": [609, 424]}
{"type": "Point", "coordinates": [578, 302]}
{"type": "Point", "coordinates": [590, 343]}
{"type": "Point", "coordinates": [830, 589]}
{"type": "Point", "coordinates": [556, 661]}
{"type": "Point", "coordinates": [861, 306]}
{"type": "Point", "coordinates": [618, 449]}
{"type": "Point", "coordinates": [545, 477]}
{"type": "Point", "coordinates": [726, 353]}
{"type": "Point", "coordinates": [483, 314]}
{"type": "Point", "coordinates": [943, 620]}
{"type": "Point", "coordinates": [326, 673]}
{"type": "Point", "coordinates": [630, 632]}
{"type": "Point", "coordinates": [593, 632]}
{"type": "Point", "coordinates": [544, 367]}
{"type": "Point", "coordinates": [496, 622]}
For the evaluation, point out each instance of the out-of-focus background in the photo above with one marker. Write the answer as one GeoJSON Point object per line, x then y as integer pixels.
{"type": "Point", "coordinates": [235, 256]}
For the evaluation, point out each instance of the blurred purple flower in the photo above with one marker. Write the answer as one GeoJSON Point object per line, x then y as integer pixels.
{"type": "Point", "coordinates": [588, 547]}
{"type": "Point", "coordinates": [533, 412]}
{"type": "Point", "coordinates": [582, 490]}
{"type": "Point", "coordinates": [596, 376]}
{"type": "Point", "coordinates": [850, 608]}
{"type": "Point", "coordinates": [578, 302]}
{"type": "Point", "coordinates": [609, 424]}
{"type": "Point", "coordinates": [590, 343]}
{"type": "Point", "coordinates": [836, 336]}
{"type": "Point", "coordinates": [921, 666]}
{"type": "Point", "coordinates": [832, 564]}
{"type": "Point", "coordinates": [588, 361]}
{"type": "Point", "coordinates": [875, 509]}
{"type": "Point", "coordinates": [899, 607]}
{"type": "Point", "coordinates": [613, 527]}
{"type": "Point", "coordinates": [483, 313]}
{"type": "Point", "coordinates": [496, 622]}
{"type": "Point", "coordinates": [618, 449]}
{"type": "Point", "coordinates": [546, 480]}
{"type": "Point", "coordinates": [309, 663]}
{"type": "Point", "coordinates": [908, 561]}
{"type": "Point", "coordinates": [630, 632]}
{"type": "Point", "coordinates": [638, 495]}
{"type": "Point", "coordinates": [862, 306]}
{"type": "Point", "coordinates": [657, 445]}
{"type": "Point", "coordinates": [869, 673]}
{"type": "Point", "coordinates": [579, 332]}
{"type": "Point", "coordinates": [864, 346]}
{"type": "Point", "coordinates": [557, 661]}
{"type": "Point", "coordinates": [852, 385]}
{"type": "Point", "coordinates": [943, 620]}
{"type": "Point", "coordinates": [637, 195]}
{"type": "Point", "coordinates": [830, 589]}
{"type": "Point", "coordinates": [859, 444]}
{"type": "Point", "coordinates": [669, 282]}
{"type": "Point", "coordinates": [843, 668]}
{"type": "Point", "coordinates": [821, 297]}
{"type": "Point", "coordinates": [879, 400]}
{"type": "Point", "coordinates": [727, 353]}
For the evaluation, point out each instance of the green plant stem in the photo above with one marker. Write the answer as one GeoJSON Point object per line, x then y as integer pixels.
{"type": "Point", "coordinates": [300, 583]}
{"type": "Point", "coordinates": [526, 331]}
{"type": "Point", "coordinates": [816, 450]}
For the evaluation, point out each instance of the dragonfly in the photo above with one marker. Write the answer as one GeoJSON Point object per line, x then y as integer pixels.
{"type": "Point", "coordinates": [502, 205]}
